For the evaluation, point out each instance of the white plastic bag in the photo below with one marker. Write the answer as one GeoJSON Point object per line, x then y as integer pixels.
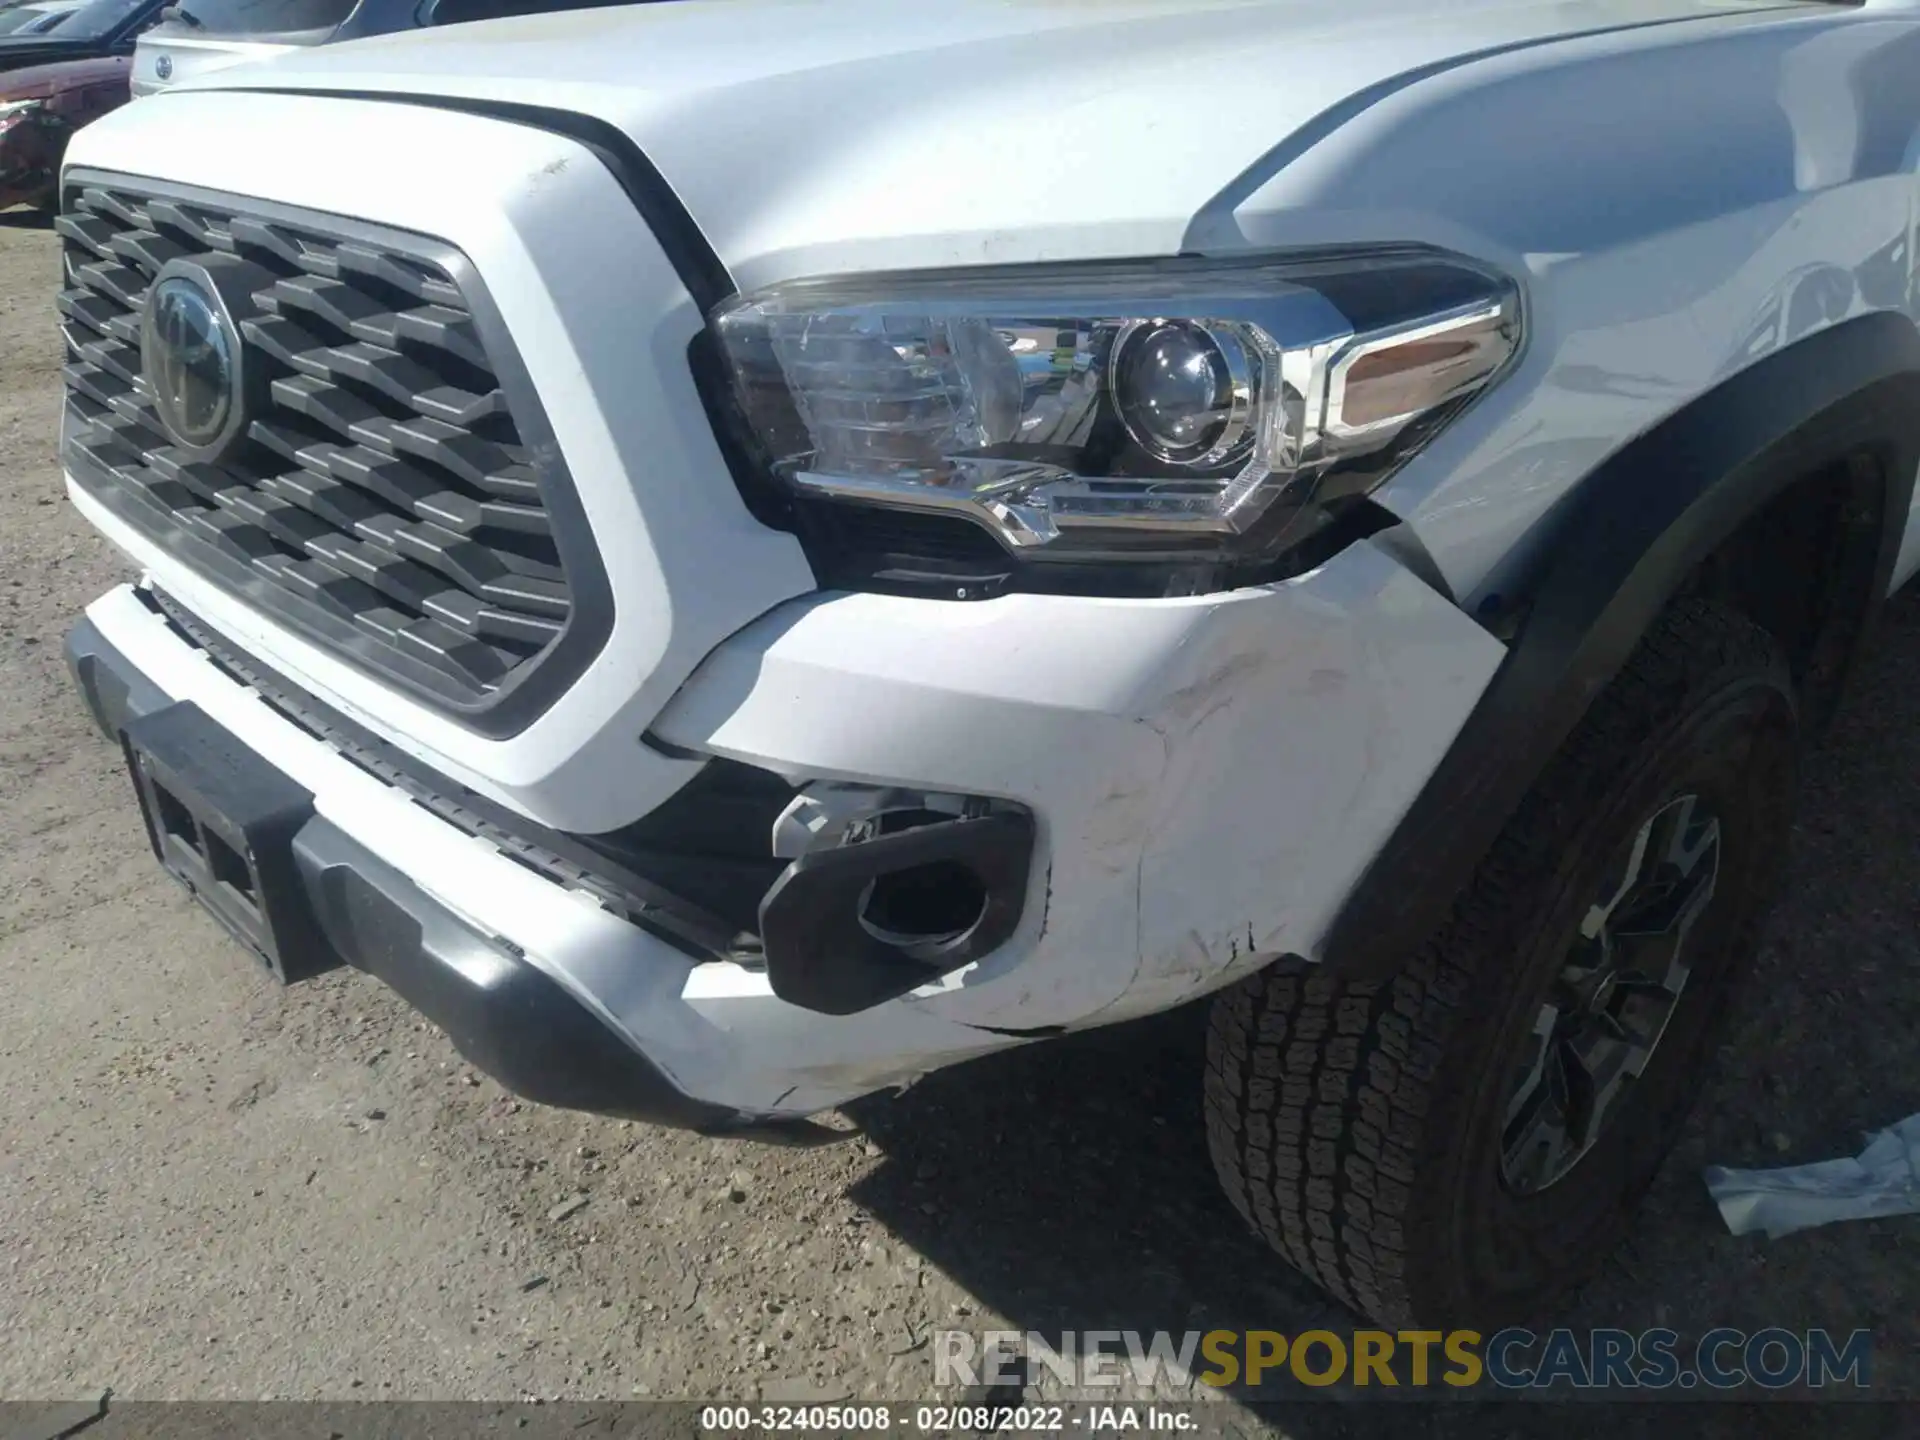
{"type": "Point", "coordinates": [1884, 1179]}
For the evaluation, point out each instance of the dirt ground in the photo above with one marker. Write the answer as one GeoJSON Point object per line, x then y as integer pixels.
{"type": "Point", "coordinates": [211, 1188]}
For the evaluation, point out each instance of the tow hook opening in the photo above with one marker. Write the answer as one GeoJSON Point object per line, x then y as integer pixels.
{"type": "Point", "coordinates": [924, 905]}
{"type": "Point", "coordinates": [888, 890]}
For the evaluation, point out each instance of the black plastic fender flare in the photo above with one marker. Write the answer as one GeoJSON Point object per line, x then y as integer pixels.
{"type": "Point", "coordinates": [1623, 544]}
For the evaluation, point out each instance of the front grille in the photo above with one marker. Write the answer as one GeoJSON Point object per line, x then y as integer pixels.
{"type": "Point", "coordinates": [383, 497]}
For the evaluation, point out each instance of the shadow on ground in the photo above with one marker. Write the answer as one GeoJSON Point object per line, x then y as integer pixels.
{"type": "Point", "coordinates": [1068, 1186]}
{"type": "Point", "coordinates": [22, 219]}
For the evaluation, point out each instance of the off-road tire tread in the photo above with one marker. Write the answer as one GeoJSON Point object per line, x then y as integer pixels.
{"type": "Point", "coordinates": [1317, 1093]}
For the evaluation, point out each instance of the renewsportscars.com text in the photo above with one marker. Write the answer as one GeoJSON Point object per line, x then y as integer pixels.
{"type": "Point", "coordinates": [1722, 1359]}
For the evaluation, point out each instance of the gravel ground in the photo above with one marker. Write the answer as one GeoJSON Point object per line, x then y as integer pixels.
{"type": "Point", "coordinates": [212, 1188]}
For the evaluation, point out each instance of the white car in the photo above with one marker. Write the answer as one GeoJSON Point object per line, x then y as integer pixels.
{"type": "Point", "coordinates": [739, 553]}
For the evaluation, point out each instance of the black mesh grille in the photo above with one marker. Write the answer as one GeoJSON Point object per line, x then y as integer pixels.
{"type": "Point", "coordinates": [382, 486]}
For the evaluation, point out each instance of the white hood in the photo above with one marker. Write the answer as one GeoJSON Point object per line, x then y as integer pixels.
{"type": "Point", "coordinates": [811, 135]}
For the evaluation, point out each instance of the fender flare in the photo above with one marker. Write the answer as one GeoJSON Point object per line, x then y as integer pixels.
{"type": "Point", "coordinates": [1624, 543]}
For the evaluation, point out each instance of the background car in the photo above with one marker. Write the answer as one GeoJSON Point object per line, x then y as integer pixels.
{"type": "Point", "coordinates": [23, 19]}
{"type": "Point", "coordinates": [44, 32]}
{"type": "Point", "coordinates": [197, 36]}
{"type": "Point", "coordinates": [40, 108]}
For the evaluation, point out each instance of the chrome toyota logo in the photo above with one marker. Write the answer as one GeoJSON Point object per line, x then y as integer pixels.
{"type": "Point", "coordinates": [163, 67]}
{"type": "Point", "coordinates": [191, 358]}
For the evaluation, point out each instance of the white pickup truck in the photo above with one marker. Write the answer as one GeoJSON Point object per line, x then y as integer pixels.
{"type": "Point", "coordinates": [737, 553]}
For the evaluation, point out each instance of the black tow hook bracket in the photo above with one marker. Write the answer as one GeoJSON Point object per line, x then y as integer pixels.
{"type": "Point", "coordinates": [824, 951]}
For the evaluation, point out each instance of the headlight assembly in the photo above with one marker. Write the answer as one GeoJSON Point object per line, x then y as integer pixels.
{"type": "Point", "coordinates": [1181, 408]}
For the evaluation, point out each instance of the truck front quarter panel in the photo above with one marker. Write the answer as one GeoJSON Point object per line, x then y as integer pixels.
{"type": "Point", "coordinates": [1680, 201]}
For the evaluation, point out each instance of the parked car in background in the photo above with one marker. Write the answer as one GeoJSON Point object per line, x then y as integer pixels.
{"type": "Point", "coordinates": [198, 36]}
{"type": "Point", "coordinates": [40, 108]}
{"type": "Point", "coordinates": [45, 32]}
{"type": "Point", "coordinates": [23, 19]}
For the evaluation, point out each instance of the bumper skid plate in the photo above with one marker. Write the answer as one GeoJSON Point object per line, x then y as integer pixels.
{"type": "Point", "coordinates": [305, 896]}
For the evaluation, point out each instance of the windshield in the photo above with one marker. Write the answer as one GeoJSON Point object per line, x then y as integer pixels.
{"type": "Point", "coordinates": [258, 17]}
{"type": "Point", "coordinates": [66, 19]}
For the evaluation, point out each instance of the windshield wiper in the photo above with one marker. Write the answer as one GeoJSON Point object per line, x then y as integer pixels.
{"type": "Point", "coordinates": [180, 12]}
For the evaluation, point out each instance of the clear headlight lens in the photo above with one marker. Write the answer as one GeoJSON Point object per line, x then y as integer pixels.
{"type": "Point", "coordinates": [1173, 404]}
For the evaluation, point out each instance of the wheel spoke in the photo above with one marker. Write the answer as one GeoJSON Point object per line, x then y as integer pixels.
{"type": "Point", "coordinates": [1650, 962]}
{"type": "Point", "coordinates": [1617, 988]}
{"type": "Point", "coordinates": [1664, 986]}
{"type": "Point", "coordinates": [1535, 1140]}
{"type": "Point", "coordinates": [1578, 1087]}
{"type": "Point", "coordinates": [1699, 876]}
{"type": "Point", "coordinates": [1641, 1007]}
{"type": "Point", "coordinates": [1612, 1027]}
{"type": "Point", "coordinates": [1534, 1133]}
{"type": "Point", "coordinates": [1649, 931]}
{"type": "Point", "coordinates": [1595, 924]}
{"type": "Point", "coordinates": [1541, 1043]}
{"type": "Point", "coordinates": [1690, 838]}
{"type": "Point", "coordinates": [1577, 981]}
{"type": "Point", "coordinates": [1594, 1067]}
{"type": "Point", "coordinates": [1679, 883]}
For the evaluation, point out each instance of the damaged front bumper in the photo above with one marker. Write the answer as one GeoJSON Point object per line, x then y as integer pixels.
{"type": "Point", "coordinates": [1161, 794]}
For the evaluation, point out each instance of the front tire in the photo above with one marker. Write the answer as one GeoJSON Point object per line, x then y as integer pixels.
{"type": "Point", "coordinates": [1462, 1143]}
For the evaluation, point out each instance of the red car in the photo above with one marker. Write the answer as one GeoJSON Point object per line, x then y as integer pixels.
{"type": "Point", "coordinates": [40, 107]}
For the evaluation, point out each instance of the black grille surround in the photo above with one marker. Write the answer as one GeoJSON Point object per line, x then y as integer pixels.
{"type": "Point", "coordinates": [399, 496]}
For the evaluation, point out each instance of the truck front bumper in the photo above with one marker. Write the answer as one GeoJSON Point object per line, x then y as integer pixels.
{"type": "Point", "coordinates": [1207, 778]}
{"type": "Point", "coordinates": [503, 1014]}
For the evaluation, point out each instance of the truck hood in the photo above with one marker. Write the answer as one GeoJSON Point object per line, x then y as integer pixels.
{"type": "Point", "coordinates": [872, 133]}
